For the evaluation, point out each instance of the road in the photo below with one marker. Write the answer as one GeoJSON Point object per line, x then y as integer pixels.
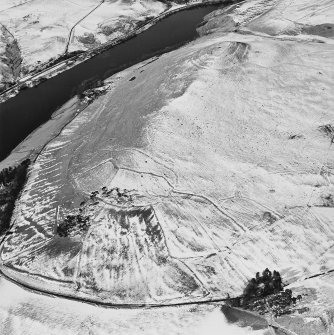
{"type": "Point", "coordinates": [71, 31]}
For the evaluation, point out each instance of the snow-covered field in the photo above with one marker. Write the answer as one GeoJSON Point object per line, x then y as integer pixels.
{"type": "Point", "coordinates": [226, 148]}
{"type": "Point", "coordinates": [45, 29]}
{"type": "Point", "coordinates": [23, 312]}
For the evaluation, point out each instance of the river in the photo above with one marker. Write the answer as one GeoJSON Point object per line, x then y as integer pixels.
{"type": "Point", "coordinates": [20, 115]}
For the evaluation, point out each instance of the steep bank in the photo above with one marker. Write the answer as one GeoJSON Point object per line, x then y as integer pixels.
{"type": "Point", "coordinates": [11, 59]}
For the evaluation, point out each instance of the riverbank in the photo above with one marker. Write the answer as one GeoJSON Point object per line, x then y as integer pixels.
{"type": "Point", "coordinates": [32, 107]}
{"type": "Point", "coordinates": [69, 62]}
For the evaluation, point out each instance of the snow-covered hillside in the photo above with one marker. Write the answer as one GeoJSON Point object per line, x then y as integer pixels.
{"type": "Point", "coordinates": [210, 163]}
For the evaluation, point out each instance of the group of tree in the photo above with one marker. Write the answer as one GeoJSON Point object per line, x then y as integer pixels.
{"type": "Point", "coordinates": [116, 193]}
{"type": "Point", "coordinates": [265, 293]}
{"type": "Point", "coordinates": [12, 180]}
{"type": "Point", "coordinates": [261, 286]}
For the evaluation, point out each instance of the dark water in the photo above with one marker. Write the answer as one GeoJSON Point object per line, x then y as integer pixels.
{"type": "Point", "coordinates": [20, 115]}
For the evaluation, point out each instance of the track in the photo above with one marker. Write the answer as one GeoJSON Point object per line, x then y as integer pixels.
{"type": "Point", "coordinates": [71, 31]}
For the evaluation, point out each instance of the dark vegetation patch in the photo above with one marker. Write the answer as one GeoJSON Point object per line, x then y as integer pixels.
{"type": "Point", "coordinates": [295, 136]}
{"type": "Point", "coordinates": [88, 38]}
{"type": "Point", "coordinates": [124, 24]}
{"type": "Point", "coordinates": [107, 30]}
{"type": "Point", "coordinates": [268, 216]}
{"type": "Point", "coordinates": [116, 194]}
{"type": "Point", "coordinates": [91, 94]}
{"type": "Point", "coordinates": [12, 180]}
{"type": "Point", "coordinates": [265, 294]}
{"type": "Point", "coordinates": [328, 200]}
{"type": "Point", "coordinates": [328, 131]}
{"type": "Point", "coordinates": [124, 223]}
{"type": "Point", "coordinates": [153, 229]}
{"type": "Point", "coordinates": [11, 57]}
{"type": "Point", "coordinates": [73, 225]}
